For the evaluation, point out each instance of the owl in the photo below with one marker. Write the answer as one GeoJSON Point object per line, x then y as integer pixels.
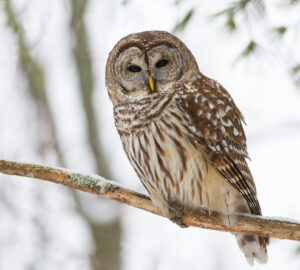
{"type": "Point", "coordinates": [181, 132]}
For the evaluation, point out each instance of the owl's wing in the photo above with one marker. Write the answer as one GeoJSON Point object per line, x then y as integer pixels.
{"type": "Point", "coordinates": [215, 122]}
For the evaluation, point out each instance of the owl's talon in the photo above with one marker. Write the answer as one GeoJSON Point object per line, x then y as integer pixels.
{"type": "Point", "coordinates": [179, 221]}
{"type": "Point", "coordinates": [176, 213]}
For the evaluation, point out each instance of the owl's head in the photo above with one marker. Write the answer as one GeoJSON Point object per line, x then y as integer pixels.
{"type": "Point", "coordinates": [145, 63]}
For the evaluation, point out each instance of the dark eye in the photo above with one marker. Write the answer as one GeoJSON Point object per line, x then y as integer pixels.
{"type": "Point", "coordinates": [161, 63]}
{"type": "Point", "coordinates": [134, 68]}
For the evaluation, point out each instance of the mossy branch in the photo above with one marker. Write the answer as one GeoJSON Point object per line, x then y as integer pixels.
{"type": "Point", "coordinates": [272, 227]}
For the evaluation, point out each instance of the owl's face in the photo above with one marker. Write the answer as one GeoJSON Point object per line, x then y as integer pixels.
{"type": "Point", "coordinates": [146, 63]}
{"type": "Point", "coordinates": [142, 73]}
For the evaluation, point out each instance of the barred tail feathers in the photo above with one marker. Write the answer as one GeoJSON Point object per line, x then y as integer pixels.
{"type": "Point", "coordinates": [253, 247]}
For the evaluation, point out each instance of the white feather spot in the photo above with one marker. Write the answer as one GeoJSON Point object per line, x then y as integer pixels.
{"type": "Point", "coordinates": [203, 99]}
{"type": "Point", "coordinates": [213, 148]}
{"type": "Point", "coordinates": [193, 129]}
{"type": "Point", "coordinates": [235, 132]}
{"type": "Point", "coordinates": [227, 124]}
{"type": "Point", "coordinates": [199, 112]}
{"type": "Point", "coordinates": [208, 115]}
{"type": "Point", "coordinates": [228, 108]}
{"type": "Point", "coordinates": [211, 106]}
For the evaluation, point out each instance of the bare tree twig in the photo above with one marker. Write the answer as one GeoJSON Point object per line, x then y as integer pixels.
{"type": "Point", "coordinates": [272, 227]}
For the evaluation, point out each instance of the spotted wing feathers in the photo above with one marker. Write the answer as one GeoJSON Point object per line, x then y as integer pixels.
{"type": "Point", "coordinates": [216, 123]}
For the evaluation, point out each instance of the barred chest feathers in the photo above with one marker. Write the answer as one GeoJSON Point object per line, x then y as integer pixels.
{"type": "Point", "coordinates": [156, 138]}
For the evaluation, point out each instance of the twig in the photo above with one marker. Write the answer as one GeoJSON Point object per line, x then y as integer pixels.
{"type": "Point", "coordinates": [272, 227]}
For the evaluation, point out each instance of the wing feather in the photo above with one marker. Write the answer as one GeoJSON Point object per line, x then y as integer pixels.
{"type": "Point", "coordinates": [216, 123]}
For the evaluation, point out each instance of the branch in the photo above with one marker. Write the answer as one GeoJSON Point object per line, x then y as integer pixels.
{"type": "Point", "coordinates": [245, 224]}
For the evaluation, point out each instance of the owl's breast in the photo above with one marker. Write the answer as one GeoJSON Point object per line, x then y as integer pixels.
{"type": "Point", "coordinates": [134, 116]}
{"type": "Point", "coordinates": [167, 160]}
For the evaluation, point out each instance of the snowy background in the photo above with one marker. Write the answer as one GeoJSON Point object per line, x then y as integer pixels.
{"type": "Point", "coordinates": [40, 227]}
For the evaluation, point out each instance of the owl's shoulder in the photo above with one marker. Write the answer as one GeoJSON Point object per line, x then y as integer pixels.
{"type": "Point", "coordinates": [212, 114]}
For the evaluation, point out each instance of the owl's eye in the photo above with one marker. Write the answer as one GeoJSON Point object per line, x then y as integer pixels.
{"type": "Point", "coordinates": [161, 63]}
{"type": "Point", "coordinates": [134, 68]}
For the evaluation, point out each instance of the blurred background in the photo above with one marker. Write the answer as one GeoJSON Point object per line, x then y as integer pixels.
{"type": "Point", "coordinates": [54, 110]}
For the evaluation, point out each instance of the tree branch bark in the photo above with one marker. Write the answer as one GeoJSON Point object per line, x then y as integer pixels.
{"type": "Point", "coordinates": [245, 224]}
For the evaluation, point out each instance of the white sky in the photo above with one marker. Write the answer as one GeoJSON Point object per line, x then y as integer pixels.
{"type": "Point", "coordinates": [260, 86]}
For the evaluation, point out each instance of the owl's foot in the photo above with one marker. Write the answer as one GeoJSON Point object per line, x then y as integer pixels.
{"type": "Point", "coordinates": [176, 213]}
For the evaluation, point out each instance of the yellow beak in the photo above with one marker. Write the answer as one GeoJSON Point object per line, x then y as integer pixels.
{"type": "Point", "coordinates": [151, 83]}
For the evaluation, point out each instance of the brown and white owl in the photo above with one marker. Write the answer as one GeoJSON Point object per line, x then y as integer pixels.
{"type": "Point", "coordinates": [182, 132]}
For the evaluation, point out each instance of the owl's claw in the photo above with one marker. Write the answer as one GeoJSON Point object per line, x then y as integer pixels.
{"type": "Point", "coordinates": [176, 213]}
{"type": "Point", "coordinates": [179, 221]}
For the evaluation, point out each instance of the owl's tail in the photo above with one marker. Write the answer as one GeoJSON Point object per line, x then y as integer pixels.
{"type": "Point", "coordinates": [253, 247]}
